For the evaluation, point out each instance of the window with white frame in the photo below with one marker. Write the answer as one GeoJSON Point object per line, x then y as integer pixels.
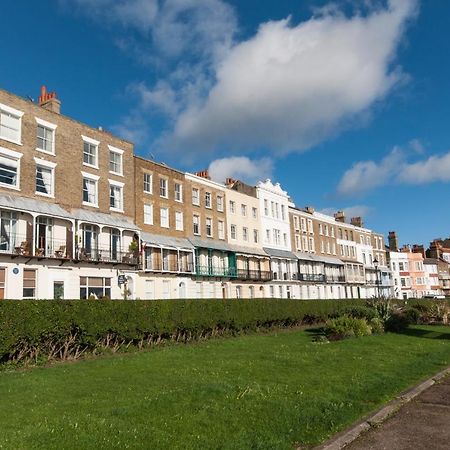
{"type": "Point", "coordinates": [285, 240]}
{"type": "Point", "coordinates": [267, 235]}
{"type": "Point", "coordinates": [283, 212]}
{"type": "Point", "coordinates": [163, 191]}
{"type": "Point", "coordinates": [207, 199]}
{"type": "Point", "coordinates": [178, 192]}
{"type": "Point", "coordinates": [305, 243]}
{"type": "Point", "coordinates": [90, 152]}
{"type": "Point", "coordinates": [29, 283]}
{"type": "Point", "coordinates": [90, 189]}
{"type": "Point", "coordinates": [45, 177]}
{"type": "Point", "coordinates": [45, 136]}
{"type": "Point", "coordinates": [164, 217]}
{"type": "Point", "coordinates": [9, 168]}
{"type": "Point", "coordinates": [303, 223]}
{"type": "Point", "coordinates": [196, 224]}
{"type": "Point", "coordinates": [255, 213]}
{"type": "Point", "coordinates": [232, 207]}
{"type": "Point", "coordinates": [276, 236]}
{"type": "Point", "coordinates": [10, 124]}
{"type": "Point", "coordinates": [195, 196]}
{"type": "Point", "coordinates": [255, 236]}
{"type": "Point", "coordinates": [116, 195]}
{"type": "Point", "coordinates": [245, 233]}
{"type": "Point", "coordinates": [115, 160]}
{"type": "Point", "coordinates": [233, 232]}
{"type": "Point", "coordinates": [178, 220]}
{"type": "Point", "coordinates": [221, 229]}
{"type": "Point", "coordinates": [244, 210]}
{"type": "Point", "coordinates": [219, 203]}
{"type": "Point", "coordinates": [209, 227]}
{"type": "Point", "coordinates": [266, 207]}
{"type": "Point", "coordinates": [148, 214]}
{"type": "Point", "coordinates": [148, 178]}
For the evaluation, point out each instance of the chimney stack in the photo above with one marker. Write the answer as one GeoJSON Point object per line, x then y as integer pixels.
{"type": "Point", "coordinates": [393, 241]}
{"type": "Point", "coordinates": [416, 248]}
{"type": "Point", "coordinates": [309, 209]}
{"type": "Point", "coordinates": [49, 101]}
{"type": "Point", "coordinates": [357, 222]}
{"type": "Point", "coordinates": [230, 181]}
{"type": "Point", "coordinates": [340, 216]}
{"type": "Point", "coordinates": [203, 174]}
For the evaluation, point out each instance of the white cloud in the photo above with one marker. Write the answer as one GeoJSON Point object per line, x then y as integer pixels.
{"type": "Point", "coordinates": [172, 28]}
{"type": "Point", "coordinates": [286, 88]}
{"type": "Point", "coordinates": [395, 168]}
{"type": "Point", "coordinates": [292, 86]}
{"type": "Point", "coordinates": [436, 168]}
{"type": "Point", "coordinates": [241, 168]}
{"type": "Point", "coordinates": [364, 176]}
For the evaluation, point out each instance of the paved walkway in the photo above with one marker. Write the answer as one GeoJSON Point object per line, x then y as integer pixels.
{"type": "Point", "coordinates": [423, 423]}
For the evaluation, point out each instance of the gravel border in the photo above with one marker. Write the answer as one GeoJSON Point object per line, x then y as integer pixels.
{"type": "Point", "coordinates": [344, 438]}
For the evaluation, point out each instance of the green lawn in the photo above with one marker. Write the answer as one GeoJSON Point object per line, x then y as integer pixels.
{"type": "Point", "coordinates": [258, 391]}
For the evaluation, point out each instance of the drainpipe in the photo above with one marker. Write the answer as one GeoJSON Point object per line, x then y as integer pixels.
{"type": "Point", "coordinates": [33, 236]}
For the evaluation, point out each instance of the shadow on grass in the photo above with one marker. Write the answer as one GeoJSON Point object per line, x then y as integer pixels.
{"type": "Point", "coordinates": [427, 334]}
{"type": "Point", "coordinates": [315, 332]}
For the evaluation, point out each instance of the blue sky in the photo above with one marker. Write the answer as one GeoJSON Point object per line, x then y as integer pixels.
{"type": "Point", "coordinates": [345, 107]}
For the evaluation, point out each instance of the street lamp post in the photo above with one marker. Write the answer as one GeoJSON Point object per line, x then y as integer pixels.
{"type": "Point", "coordinates": [377, 269]}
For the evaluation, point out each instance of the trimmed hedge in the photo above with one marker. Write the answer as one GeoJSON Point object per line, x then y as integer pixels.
{"type": "Point", "coordinates": [66, 329]}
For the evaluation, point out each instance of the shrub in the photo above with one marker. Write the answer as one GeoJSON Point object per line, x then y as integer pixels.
{"type": "Point", "coordinates": [397, 322]}
{"type": "Point", "coordinates": [345, 327]}
{"type": "Point", "coordinates": [361, 312]}
{"type": "Point", "coordinates": [376, 325]}
{"type": "Point", "coordinates": [412, 315]}
{"type": "Point", "coordinates": [49, 329]}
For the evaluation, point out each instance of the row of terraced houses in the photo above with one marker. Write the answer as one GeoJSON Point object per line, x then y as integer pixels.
{"type": "Point", "coordinates": [82, 216]}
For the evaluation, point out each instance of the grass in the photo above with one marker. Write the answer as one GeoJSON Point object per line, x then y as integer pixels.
{"type": "Point", "coordinates": [258, 391]}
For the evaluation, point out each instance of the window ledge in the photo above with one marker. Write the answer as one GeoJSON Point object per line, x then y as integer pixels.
{"type": "Point", "coordinates": [92, 205]}
{"type": "Point", "coordinates": [45, 152]}
{"type": "Point", "coordinates": [11, 140]}
{"type": "Point", "coordinates": [116, 209]}
{"type": "Point", "coordinates": [9, 186]}
{"type": "Point", "coordinates": [117, 174]}
{"type": "Point", "coordinates": [90, 165]}
{"type": "Point", "coordinates": [42, 194]}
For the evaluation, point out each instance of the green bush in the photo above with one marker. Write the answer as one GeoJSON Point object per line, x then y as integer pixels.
{"type": "Point", "coordinates": [63, 329]}
{"type": "Point", "coordinates": [397, 322]}
{"type": "Point", "coordinates": [413, 315]}
{"type": "Point", "coordinates": [376, 325]}
{"type": "Point", "coordinates": [345, 326]}
{"type": "Point", "coordinates": [361, 312]}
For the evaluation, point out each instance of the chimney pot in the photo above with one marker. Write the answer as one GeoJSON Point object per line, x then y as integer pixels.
{"type": "Point", "coordinates": [48, 100]}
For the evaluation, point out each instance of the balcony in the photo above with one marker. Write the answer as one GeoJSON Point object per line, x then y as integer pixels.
{"type": "Point", "coordinates": [312, 277]}
{"type": "Point", "coordinates": [335, 278]}
{"type": "Point", "coordinates": [285, 276]}
{"type": "Point", "coordinates": [21, 245]}
{"type": "Point", "coordinates": [222, 272]}
{"type": "Point", "coordinates": [107, 255]}
{"type": "Point", "coordinates": [254, 275]}
{"type": "Point", "coordinates": [156, 265]}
